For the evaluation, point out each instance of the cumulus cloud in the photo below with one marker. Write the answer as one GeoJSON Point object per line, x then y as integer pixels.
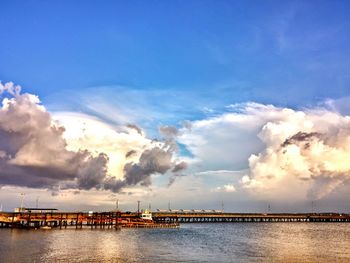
{"type": "Point", "coordinates": [34, 153]}
{"type": "Point", "coordinates": [170, 133]}
{"type": "Point", "coordinates": [311, 147]}
{"type": "Point", "coordinates": [260, 150]}
{"type": "Point", "coordinates": [288, 153]}
{"type": "Point", "coordinates": [75, 152]}
{"type": "Point", "coordinates": [156, 160]}
{"type": "Point", "coordinates": [120, 143]}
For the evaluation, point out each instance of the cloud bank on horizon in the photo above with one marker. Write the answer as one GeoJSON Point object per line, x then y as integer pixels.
{"type": "Point", "coordinates": [262, 151]}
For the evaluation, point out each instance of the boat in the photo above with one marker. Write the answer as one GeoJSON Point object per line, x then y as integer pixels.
{"type": "Point", "coordinates": [146, 215]}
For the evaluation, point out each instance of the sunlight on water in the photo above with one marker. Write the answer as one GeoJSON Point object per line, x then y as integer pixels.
{"type": "Point", "coordinates": [240, 242]}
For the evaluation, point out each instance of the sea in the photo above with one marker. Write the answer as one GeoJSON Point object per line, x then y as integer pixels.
{"type": "Point", "coordinates": [196, 242]}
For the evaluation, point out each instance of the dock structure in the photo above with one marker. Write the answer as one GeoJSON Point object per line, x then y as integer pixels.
{"type": "Point", "coordinates": [39, 218]}
{"type": "Point", "coordinates": [220, 217]}
{"type": "Point", "coordinates": [36, 219]}
{"type": "Point", "coordinates": [115, 220]}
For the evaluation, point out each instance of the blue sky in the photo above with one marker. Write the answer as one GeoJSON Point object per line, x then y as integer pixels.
{"type": "Point", "coordinates": [155, 63]}
{"type": "Point", "coordinates": [292, 53]}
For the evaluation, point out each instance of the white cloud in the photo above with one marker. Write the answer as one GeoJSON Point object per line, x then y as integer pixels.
{"type": "Point", "coordinates": [88, 132]}
{"type": "Point", "coordinates": [252, 152]}
{"type": "Point", "coordinates": [78, 152]}
{"type": "Point", "coordinates": [226, 141]}
{"type": "Point", "coordinates": [305, 153]}
{"type": "Point", "coordinates": [288, 153]}
{"type": "Point", "coordinates": [34, 153]}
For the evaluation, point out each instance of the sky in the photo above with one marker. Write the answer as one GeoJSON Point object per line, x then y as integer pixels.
{"type": "Point", "coordinates": [187, 104]}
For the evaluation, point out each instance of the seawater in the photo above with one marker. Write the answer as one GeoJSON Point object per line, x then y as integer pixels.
{"type": "Point", "coordinates": [211, 242]}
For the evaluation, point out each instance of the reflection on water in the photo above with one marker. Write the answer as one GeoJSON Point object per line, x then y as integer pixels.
{"type": "Point", "coordinates": [236, 242]}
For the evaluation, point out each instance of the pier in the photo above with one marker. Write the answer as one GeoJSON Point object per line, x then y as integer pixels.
{"type": "Point", "coordinates": [51, 218]}
{"type": "Point", "coordinates": [115, 220]}
{"type": "Point", "coordinates": [221, 217]}
{"type": "Point", "coordinates": [58, 219]}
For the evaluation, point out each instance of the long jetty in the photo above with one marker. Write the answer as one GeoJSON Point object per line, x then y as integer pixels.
{"type": "Point", "coordinates": [78, 220]}
{"type": "Point", "coordinates": [222, 217]}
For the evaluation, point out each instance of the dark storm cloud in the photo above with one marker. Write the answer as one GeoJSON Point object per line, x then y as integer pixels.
{"type": "Point", "coordinates": [157, 160]}
{"type": "Point", "coordinates": [93, 173]}
{"type": "Point", "coordinates": [152, 161]}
